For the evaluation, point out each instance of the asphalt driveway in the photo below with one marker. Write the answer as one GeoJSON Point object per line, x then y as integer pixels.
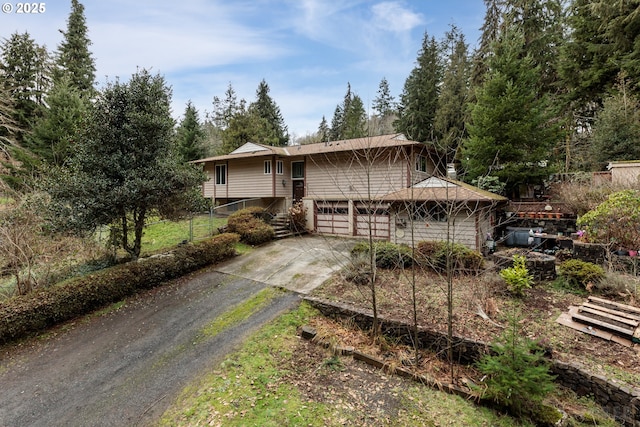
{"type": "Point", "coordinates": [125, 367]}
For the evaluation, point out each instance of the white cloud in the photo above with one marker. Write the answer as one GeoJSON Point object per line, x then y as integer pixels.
{"type": "Point", "coordinates": [392, 16]}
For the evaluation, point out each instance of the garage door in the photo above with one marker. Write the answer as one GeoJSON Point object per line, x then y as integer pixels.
{"type": "Point", "coordinates": [374, 220]}
{"type": "Point", "coordinates": [332, 217]}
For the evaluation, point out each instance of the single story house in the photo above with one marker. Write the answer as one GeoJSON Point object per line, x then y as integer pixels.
{"type": "Point", "coordinates": [351, 187]}
{"type": "Point", "coordinates": [625, 172]}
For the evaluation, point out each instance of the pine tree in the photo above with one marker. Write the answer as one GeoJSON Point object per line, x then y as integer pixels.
{"type": "Point", "coordinates": [451, 114]}
{"type": "Point", "coordinates": [323, 130]}
{"type": "Point", "coordinates": [25, 70]}
{"type": "Point", "coordinates": [419, 99]}
{"type": "Point", "coordinates": [384, 104]}
{"type": "Point", "coordinates": [225, 109]}
{"type": "Point", "coordinates": [355, 119]}
{"type": "Point", "coordinates": [190, 135]}
{"type": "Point", "coordinates": [337, 124]}
{"type": "Point", "coordinates": [510, 134]}
{"type": "Point", "coordinates": [55, 131]}
{"type": "Point", "coordinates": [265, 108]}
{"type": "Point", "coordinates": [73, 57]}
{"type": "Point", "coordinates": [490, 34]}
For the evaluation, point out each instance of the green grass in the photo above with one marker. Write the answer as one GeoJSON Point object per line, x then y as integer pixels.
{"type": "Point", "coordinates": [248, 389]}
{"type": "Point", "coordinates": [240, 312]}
{"type": "Point", "coordinates": [164, 234]}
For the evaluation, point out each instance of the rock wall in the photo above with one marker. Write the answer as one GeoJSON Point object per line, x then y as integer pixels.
{"type": "Point", "coordinates": [542, 267]}
{"type": "Point", "coordinates": [620, 400]}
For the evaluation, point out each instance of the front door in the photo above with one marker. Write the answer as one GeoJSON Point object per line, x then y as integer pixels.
{"type": "Point", "coordinates": [298, 189]}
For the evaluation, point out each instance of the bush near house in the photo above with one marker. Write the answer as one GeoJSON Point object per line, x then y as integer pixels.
{"type": "Point", "coordinates": [388, 255]}
{"type": "Point", "coordinates": [251, 225]}
{"type": "Point", "coordinates": [34, 312]}
{"type": "Point", "coordinates": [580, 273]}
{"type": "Point", "coordinates": [434, 254]}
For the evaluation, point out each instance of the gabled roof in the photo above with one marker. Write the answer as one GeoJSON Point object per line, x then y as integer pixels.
{"type": "Point", "coordinates": [440, 189]}
{"type": "Point", "coordinates": [251, 149]}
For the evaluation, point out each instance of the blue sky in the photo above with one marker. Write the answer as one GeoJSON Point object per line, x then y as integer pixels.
{"type": "Point", "coordinates": [306, 50]}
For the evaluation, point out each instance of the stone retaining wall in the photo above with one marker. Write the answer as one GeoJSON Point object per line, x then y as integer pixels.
{"type": "Point", "coordinates": [620, 400]}
{"type": "Point", "coordinates": [542, 267]}
{"type": "Point", "coordinates": [590, 252]}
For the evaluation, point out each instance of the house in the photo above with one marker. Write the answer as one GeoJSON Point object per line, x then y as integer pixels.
{"type": "Point", "coordinates": [347, 186]}
{"type": "Point", "coordinates": [625, 172]}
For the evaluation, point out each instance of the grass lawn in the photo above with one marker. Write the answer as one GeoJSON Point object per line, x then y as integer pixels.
{"type": "Point", "coordinates": [277, 379]}
{"type": "Point", "coordinates": [164, 234]}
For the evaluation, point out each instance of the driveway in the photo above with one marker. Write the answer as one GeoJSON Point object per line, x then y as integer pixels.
{"type": "Point", "coordinates": [125, 367]}
{"type": "Point", "coordinates": [299, 264]}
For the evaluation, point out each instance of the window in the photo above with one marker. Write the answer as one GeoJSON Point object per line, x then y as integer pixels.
{"type": "Point", "coordinates": [267, 167]}
{"type": "Point", "coordinates": [421, 163]}
{"type": "Point", "coordinates": [429, 212]}
{"type": "Point", "coordinates": [297, 170]}
{"type": "Point", "coordinates": [221, 174]}
{"type": "Point", "coordinates": [279, 167]}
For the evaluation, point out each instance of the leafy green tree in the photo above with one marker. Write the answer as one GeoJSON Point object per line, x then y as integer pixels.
{"type": "Point", "coordinates": [190, 135]}
{"type": "Point", "coordinates": [419, 98]}
{"type": "Point", "coordinates": [616, 130]}
{"type": "Point", "coordinates": [451, 114]}
{"type": "Point", "coordinates": [615, 221]}
{"type": "Point", "coordinates": [55, 131]}
{"type": "Point", "coordinates": [265, 108]}
{"type": "Point", "coordinates": [125, 168]}
{"type": "Point", "coordinates": [73, 58]}
{"type": "Point", "coordinates": [510, 133]}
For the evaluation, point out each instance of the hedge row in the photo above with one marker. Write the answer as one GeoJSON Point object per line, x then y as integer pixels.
{"type": "Point", "coordinates": [27, 314]}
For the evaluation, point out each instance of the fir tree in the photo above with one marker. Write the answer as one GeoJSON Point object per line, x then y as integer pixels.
{"type": "Point", "coordinates": [73, 57]}
{"type": "Point", "coordinates": [451, 114]}
{"type": "Point", "coordinates": [190, 135]}
{"type": "Point", "coordinates": [419, 99]}
{"type": "Point", "coordinates": [323, 130]}
{"type": "Point", "coordinates": [265, 108]}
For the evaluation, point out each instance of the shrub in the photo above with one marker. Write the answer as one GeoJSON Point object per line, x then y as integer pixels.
{"type": "Point", "coordinates": [461, 258]}
{"type": "Point", "coordinates": [358, 271]}
{"type": "Point", "coordinates": [517, 277]}
{"type": "Point", "coordinates": [298, 216]}
{"type": "Point", "coordinates": [387, 254]}
{"type": "Point", "coordinates": [580, 273]}
{"type": "Point", "coordinates": [251, 225]}
{"type": "Point", "coordinates": [34, 312]}
{"type": "Point", "coordinates": [518, 376]}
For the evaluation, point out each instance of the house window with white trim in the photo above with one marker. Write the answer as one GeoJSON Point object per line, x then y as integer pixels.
{"type": "Point", "coordinates": [279, 167]}
{"type": "Point", "coordinates": [267, 167]}
{"type": "Point", "coordinates": [221, 174]}
{"type": "Point", "coordinates": [421, 163]}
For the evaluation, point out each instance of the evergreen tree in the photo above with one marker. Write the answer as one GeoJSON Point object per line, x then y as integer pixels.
{"type": "Point", "coordinates": [73, 57]}
{"type": "Point", "coordinates": [419, 99]}
{"type": "Point", "coordinates": [225, 109]}
{"type": "Point", "coordinates": [385, 111]}
{"type": "Point", "coordinates": [451, 114]}
{"type": "Point", "coordinates": [25, 71]}
{"type": "Point", "coordinates": [190, 135]}
{"type": "Point", "coordinates": [337, 124]}
{"type": "Point", "coordinates": [490, 34]}
{"type": "Point", "coordinates": [355, 119]}
{"type": "Point", "coordinates": [616, 129]}
{"type": "Point", "coordinates": [266, 108]}
{"type": "Point", "coordinates": [510, 134]}
{"type": "Point", "coordinates": [125, 167]}
{"type": "Point", "coordinates": [55, 131]}
{"type": "Point", "coordinates": [323, 130]}
{"type": "Point", "coordinates": [384, 104]}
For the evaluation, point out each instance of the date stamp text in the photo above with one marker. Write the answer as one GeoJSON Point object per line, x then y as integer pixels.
{"type": "Point", "coordinates": [24, 8]}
